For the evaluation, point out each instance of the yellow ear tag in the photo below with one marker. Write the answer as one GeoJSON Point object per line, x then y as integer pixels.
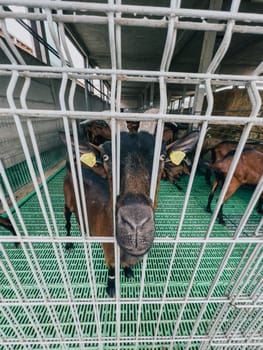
{"type": "Point", "coordinates": [177, 157]}
{"type": "Point", "coordinates": [88, 159]}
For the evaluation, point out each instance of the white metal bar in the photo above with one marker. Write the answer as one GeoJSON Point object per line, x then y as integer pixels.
{"type": "Point", "coordinates": [10, 43]}
{"type": "Point", "coordinates": [136, 22]}
{"type": "Point", "coordinates": [7, 51]}
{"type": "Point", "coordinates": [170, 38]}
{"type": "Point", "coordinates": [14, 324]}
{"type": "Point", "coordinates": [250, 261]}
{"type": "Point", "coordinates": [260, 225]}
{"type": "Point", "coordinates": [139, 10]}
{"type": "Point", "coordinates": [221, 341]}
{"type": "Point", "coordinates": [237, 325]}
{"type": "Point", "coordinates": [54, 35]}
{"type": "Point", "coordinates": [140, 301]}
{"type": "Point", "coordinates": [62, 37]}
{"type": "Point", "coordinates": [259, 287]}
{"type": "Point", "coordinates": [223, 120]}
{"type": "Point", "coordinates": [244, 302]}
{"type": "Point", "coordinates": [115, 170]}
{"type": "Point", "coordinates": [254, 274]}
{"type": "Point", "coordinates": [87, 250]}
{"type": "Point", "coordinates": [33, 176]}
{"type": "Point", "coordinates": [70, 151]}
{"type": "Point", "coordinates": [187, 195]}
{"type": "Point", "coordinates": [211, 68]}
{"type": "Point", "coordinates": [118, 37]}
{"type": "Point", "coordinates": [258, 328]}
{"type": "Point", "coordinates": [20, 293]}
{"type": "Point", "coordinates": [255, 106]}
{"type": "Point", "coordinates": [45, 292]}
{"type": "Point", "coordinates": [143, 74]}
{"type": "Point", "coordinates": [240, 319]}
{"type": "Point", "coordinates": [106, 239]}
{"type": "Point", "coordinates": [141, 22]}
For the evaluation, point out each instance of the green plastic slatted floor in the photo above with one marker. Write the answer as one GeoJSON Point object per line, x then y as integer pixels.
{"type": "Point", "coordinates": [167, 218]}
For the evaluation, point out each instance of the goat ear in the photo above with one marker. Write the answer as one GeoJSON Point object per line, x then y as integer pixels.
{"type": "Point", "coordinates": [87, 150]}
{"type": "Point", "coordinates": [178, 149]}
{"type": "Point", "coordinates": [185, 144]}
{"type": "Point", "coordinates": [89, 154]}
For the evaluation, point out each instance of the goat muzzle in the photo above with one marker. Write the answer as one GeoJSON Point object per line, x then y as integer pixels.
{"type": "Point", "coordinates": [135, 228]}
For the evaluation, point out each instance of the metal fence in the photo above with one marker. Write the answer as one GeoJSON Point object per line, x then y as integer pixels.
{"type": "Point", "coordinates": [200, 287]}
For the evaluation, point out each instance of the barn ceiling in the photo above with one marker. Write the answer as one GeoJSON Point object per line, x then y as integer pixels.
{"type": "Point", "coordinates": [142, 47]}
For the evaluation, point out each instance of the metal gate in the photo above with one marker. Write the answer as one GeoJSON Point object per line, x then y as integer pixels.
{"type": "Point", "coordinates": [200, 286]}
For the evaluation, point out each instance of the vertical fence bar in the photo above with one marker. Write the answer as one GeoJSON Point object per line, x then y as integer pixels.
{"type": "Point", "coordinates": [115, 144]}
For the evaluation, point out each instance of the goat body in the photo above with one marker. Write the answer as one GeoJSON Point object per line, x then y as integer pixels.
{"type": "Point", "coordinates": [99, 210]}
{"type": "Point", "coordinates": [248, 171]}
{"type": "Point", "coordinates": [219, 151]}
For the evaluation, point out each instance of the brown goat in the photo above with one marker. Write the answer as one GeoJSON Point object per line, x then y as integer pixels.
{"type": "Point", "coordinates": [220, 150]}
{"type": "Point", "coordinates": [134, 207]}
{"type": "Point", "coordinates": [99, 210]}
{"type": "Point", "coordinates": [173, 173]}
{"type": "Point", "coordinates": [248, 171]}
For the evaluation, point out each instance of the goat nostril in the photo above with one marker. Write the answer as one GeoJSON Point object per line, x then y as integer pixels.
{"type": "Point", "coordinates": [135, 229]}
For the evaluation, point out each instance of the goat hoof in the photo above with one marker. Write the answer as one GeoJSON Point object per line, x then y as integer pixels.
{"type": "Point", "coordinates": [110, 289]}
{"type": "Point", "coordinates": [69, 246]}
{"type": "Point", "coordinates": [128, 272]}
{"type": "Point", "coordinates": [178, 187]}
{"type": "Point", "coordinates": [208, 210]}
{"type": "Point", "coordinates": [221, 222]}
{"type": "Point", "coordinates": [17, 244]}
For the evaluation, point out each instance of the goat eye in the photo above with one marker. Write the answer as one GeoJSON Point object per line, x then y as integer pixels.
{"type": "Point", "coordinates": [162, 157]}
{"type": "Point", "coordinates": [105, 157]}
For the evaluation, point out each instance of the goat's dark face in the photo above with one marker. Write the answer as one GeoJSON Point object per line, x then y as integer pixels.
{"type": "Point", "coordinates": [134, 207]}
{"type": "Point", "coordinates": [134, 210]}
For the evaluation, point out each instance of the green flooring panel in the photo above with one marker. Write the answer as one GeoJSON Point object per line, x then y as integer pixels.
{"type": "Point", "coordinates": [29, 301]}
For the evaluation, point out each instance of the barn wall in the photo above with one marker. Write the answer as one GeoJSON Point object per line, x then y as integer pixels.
{"type": "Point", "coordinates": [43, 94]}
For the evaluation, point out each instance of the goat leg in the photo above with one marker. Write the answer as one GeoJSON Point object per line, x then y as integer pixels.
{"type": "Point", "coordinates": [259, 205]}
{"type": "Point", "coordinates": [220, 216]}
{"type": "Point", "coordinates": [208, 177]}
{"type": "Point", "coordinates": [67, 214]}
{"type": "Point", "coordinates": [6, 223]}
{"type": "Point", "coordinates": [177, 186]}
{"type": "Point", "coordinates": [211, 196]}
{"type": "Point", "coordinates": [110, 289]}
{"type": "Point", "coordinates": [128, 272]}
{"type": "Point", "coordinates": [108, 251]}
